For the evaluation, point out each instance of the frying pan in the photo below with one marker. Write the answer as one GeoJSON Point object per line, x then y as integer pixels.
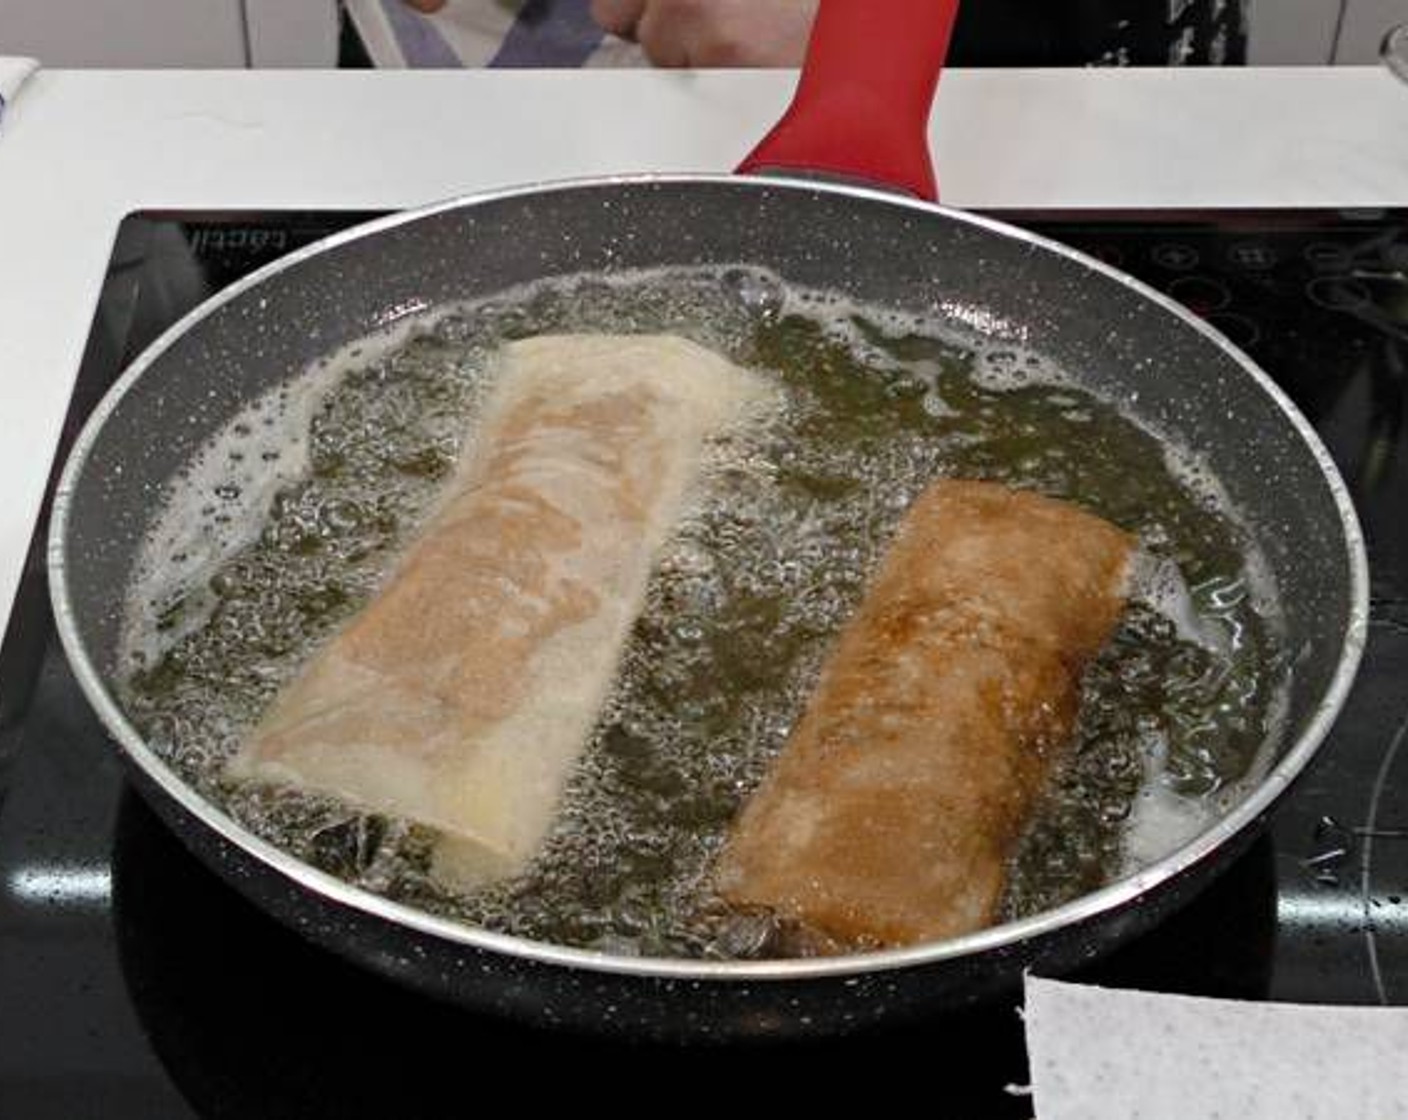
{"type": "Point", "coordinates": [1171, 371]}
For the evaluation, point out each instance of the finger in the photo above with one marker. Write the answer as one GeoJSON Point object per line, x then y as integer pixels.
{"type": "Point", "coordinates": [619, 17]}
{"type": "Point", "coordinates": [426, 6]}
{"type": "Point", "coordinates": [669, 33]}
{"type": "Point", "coordinates": [726, 32]}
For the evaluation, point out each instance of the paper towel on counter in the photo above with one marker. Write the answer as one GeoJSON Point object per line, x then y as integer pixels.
{"type": "Point", "coordinates": [14, 72]}
{"type": "Point", "coordinates": [1097, 1053]}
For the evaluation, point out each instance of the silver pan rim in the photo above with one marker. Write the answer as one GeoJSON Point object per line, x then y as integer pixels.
{"type": "Point", "coordinates": [1113, 897]}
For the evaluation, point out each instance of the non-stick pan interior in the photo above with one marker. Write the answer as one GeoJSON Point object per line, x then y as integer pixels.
{"type": "Point", "coordinates": [1133, 348]}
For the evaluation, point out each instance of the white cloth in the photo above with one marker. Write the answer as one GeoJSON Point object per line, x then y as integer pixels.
{"type": "Point", "coordinates": [1098, 1054]}
{"type": "Point", "coordinates": [473, 33]}
{"type": "Point", "coordinates": [476, 31]}
{"type": "Point", "coordinates": [14, 72]}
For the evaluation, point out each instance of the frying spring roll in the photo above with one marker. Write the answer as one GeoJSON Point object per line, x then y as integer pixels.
{"type": "Point", "coordinates": [462, 694]}
{"type": "Point", "coordinates": [891, 814]}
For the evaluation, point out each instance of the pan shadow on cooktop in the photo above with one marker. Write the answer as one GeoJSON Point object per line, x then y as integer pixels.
{"type": "Point", "coordinates": [250, 1020]}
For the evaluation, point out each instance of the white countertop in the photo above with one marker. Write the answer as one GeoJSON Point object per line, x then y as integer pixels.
{"type": "Point", "coordinates": [79, 149]}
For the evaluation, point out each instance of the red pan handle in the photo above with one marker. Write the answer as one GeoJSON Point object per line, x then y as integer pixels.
{"type": "Point", "coordinates": [862, 106]}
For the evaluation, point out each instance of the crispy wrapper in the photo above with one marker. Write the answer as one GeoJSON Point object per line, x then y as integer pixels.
{"type": "Point", "coordinates": [894, 808]}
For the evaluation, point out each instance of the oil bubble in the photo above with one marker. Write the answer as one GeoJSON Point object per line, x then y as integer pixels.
{"type": "Point", "coordinates": [342, 465]}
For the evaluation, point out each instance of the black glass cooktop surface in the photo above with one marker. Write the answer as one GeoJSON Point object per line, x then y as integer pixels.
{"type": "Point", "coordinates": [134, 983]}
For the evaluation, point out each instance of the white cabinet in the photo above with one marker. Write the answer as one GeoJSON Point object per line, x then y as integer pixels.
{"type": "Point", "coordinates": [292, 32]}
{"type": "Point", "coordinates": [171, 33]}
{"type": "Point", "coordinates": [1365, 22]}
{"type": "Point", "coordinates": [1316, 32]}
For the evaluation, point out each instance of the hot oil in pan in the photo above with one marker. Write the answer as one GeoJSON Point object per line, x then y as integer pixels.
{"type": "Point", "coordinates": [285, 530]}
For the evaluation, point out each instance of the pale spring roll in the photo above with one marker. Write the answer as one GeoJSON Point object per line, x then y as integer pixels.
{"type": "Point", "coordinates": [893, 811]}
{"type": "Point", "coordinates": [461, 696]}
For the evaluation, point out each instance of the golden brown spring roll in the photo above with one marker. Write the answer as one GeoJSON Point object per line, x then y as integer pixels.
{"type": "Point", "coordinates": [894, 808]}
{"type": "Point", "coordinates": [462, 694]}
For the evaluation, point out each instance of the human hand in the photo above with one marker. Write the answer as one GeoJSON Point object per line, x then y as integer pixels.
{"type": "Point", "coordinates": [712, 32]}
